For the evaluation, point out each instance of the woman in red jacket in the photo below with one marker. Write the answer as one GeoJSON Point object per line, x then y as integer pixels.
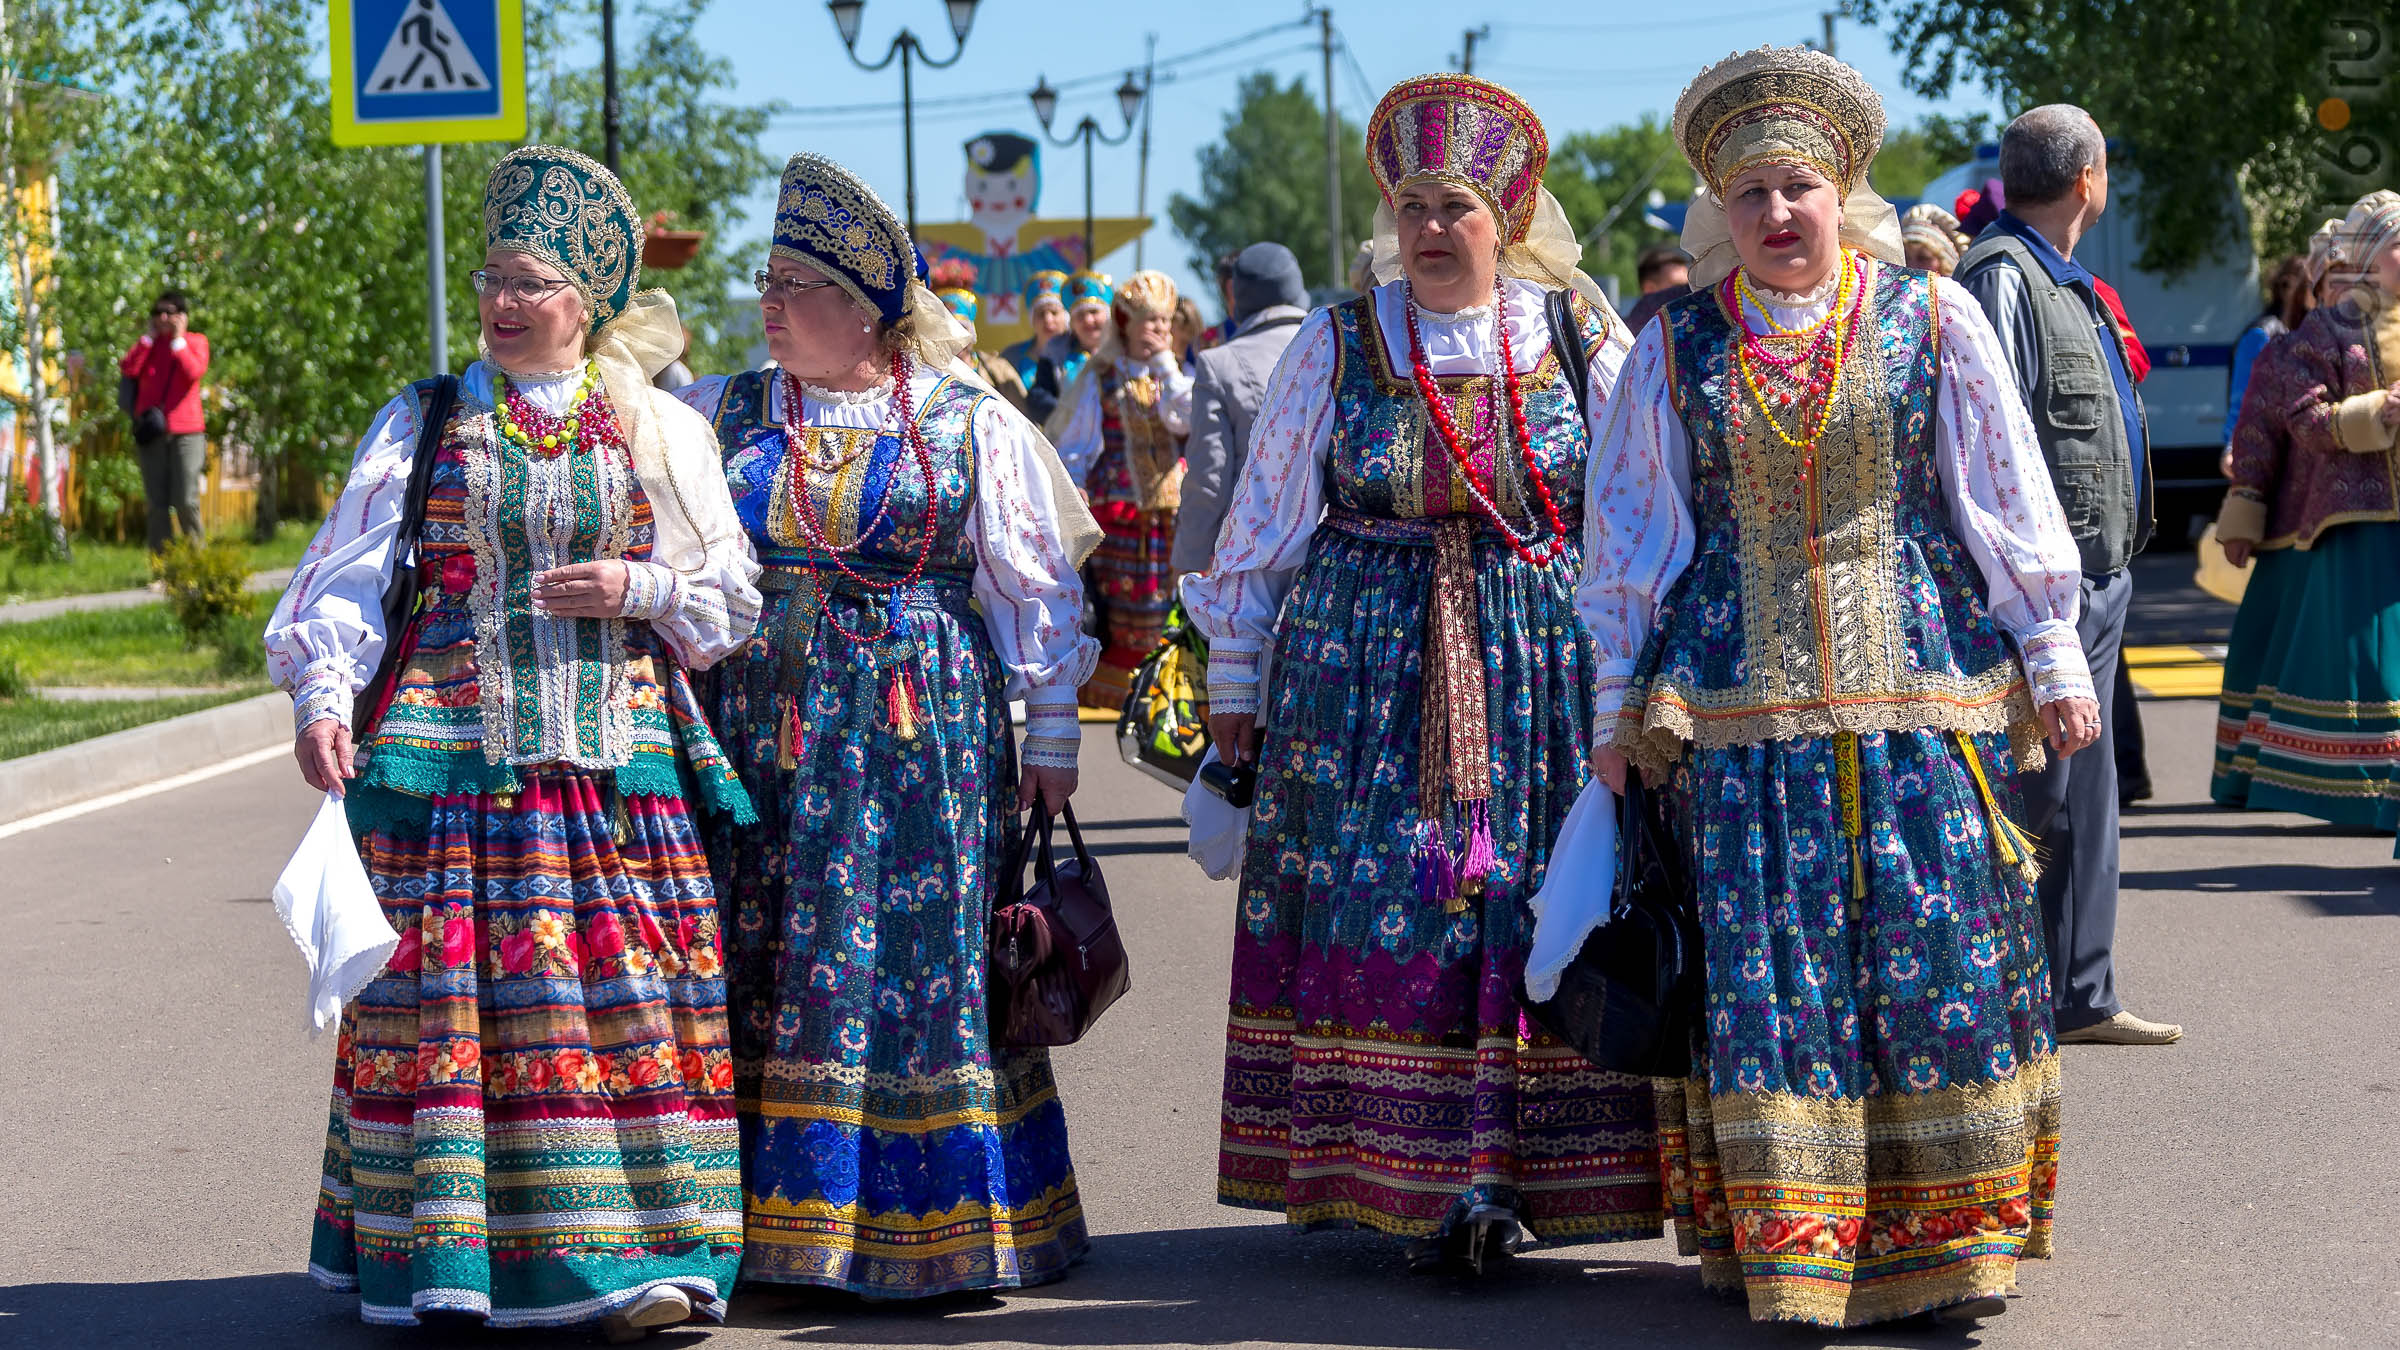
{"type": "Point", "coordinates": [166, 365]}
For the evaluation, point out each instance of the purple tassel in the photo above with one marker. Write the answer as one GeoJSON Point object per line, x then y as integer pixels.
{"type": "Point", "coordinates": [1480, 860]}
{"type": "Point", "coordinates": [1435, 880]}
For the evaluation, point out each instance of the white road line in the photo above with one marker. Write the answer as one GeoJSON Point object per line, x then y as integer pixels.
{"type": "Point", "coordinates": [132, 794]}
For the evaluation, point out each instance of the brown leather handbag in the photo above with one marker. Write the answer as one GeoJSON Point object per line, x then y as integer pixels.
{"type": "Point", "coordinates": [1056, 962]}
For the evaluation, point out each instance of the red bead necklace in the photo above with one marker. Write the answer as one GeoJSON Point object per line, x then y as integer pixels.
{"type": "Point", "coordinates": [1482, 491]}
{"type": "Point", "coordinates": [812, 527]}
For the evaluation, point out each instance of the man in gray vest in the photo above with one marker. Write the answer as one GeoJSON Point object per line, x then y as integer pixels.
{"type": "Point", "coordinates": [1229, 381]}
{"type": "Point", "coordinates": [2072, 368]}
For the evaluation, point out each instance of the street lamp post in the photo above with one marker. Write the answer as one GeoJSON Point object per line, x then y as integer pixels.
{"type": "Point", "coordinates": [1045, 106]}
{"type": "Point", "coordinates": [909, 50]}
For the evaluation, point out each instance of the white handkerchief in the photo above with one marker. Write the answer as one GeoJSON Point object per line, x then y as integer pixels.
{"type": "Point", "coordinates": [329, 909]}
{"type": "Point", "coordinates": [1219, 832]}
{"type": "Point", "coordinates": [1575, 891]}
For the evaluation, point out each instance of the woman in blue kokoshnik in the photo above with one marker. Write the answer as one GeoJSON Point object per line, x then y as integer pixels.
{"type": "Point", "coordinates": [920, 549]}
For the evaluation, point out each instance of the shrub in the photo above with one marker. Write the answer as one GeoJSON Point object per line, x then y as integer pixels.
{"type": "Point", "coordinates": [203, 582]}
{"type": "Point", "coordinates": [13, 683]}
{"type": "Point", "coordinates": [32, 534]}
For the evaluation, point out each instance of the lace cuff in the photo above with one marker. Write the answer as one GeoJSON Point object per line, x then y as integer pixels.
{"type": "Point", "coordinates": [323, 692]}
{"type": "Point", "coordinates": [1052, 736]}
{"type": "Point", "coordinates": [652, 591]}
{"type": "Point", "coordinates": [2054, 662]}
{"type": "Point", "coordinates": [1232, 678]}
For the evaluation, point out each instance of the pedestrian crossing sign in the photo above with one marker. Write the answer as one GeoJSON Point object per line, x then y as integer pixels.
{"type": "Point", "coordinates": [414, 72]}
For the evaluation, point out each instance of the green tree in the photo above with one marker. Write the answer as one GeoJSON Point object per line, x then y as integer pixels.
{"type": "Point", "coordinates": [1593, 173]}
{"type": "Point", "coordinates": [1266, 181]}
{"type": "Point", "coordinates": [1911, 157]}
{"type": "Point", "coordinates": [2199, 98]}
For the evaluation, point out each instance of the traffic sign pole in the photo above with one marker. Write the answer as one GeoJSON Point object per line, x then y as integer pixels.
{"type": "Point", "coordinates": [436, 319]}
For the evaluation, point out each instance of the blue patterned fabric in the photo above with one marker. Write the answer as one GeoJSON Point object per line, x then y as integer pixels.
{"type": "Point", "coordinates": [828, 218]}
{"type": "Point", "coordinates": [887, 1148]}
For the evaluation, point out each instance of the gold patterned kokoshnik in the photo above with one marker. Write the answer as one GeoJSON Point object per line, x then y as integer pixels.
{"type": "Point", "coordinates": [826, 217]}
{"type": "Point", "coordinates": [1779, 105]}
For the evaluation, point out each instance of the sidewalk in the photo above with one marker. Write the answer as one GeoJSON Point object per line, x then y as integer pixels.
{"type": "Point", "coordinates": [26, 610]}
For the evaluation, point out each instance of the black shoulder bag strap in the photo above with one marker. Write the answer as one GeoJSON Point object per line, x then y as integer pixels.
{"type": "Point", "coordinates": [402, 588]}
{"type": "Point", "coordinates": [1566, 338]}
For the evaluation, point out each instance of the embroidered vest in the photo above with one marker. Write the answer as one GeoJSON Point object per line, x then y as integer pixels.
{"type": "Point", "coordinates": [486, 685]}
{"type": "Point", "coordinates": [1139, 467]}
{"type": "Point", "coordinates": [1846, 605]}
{"type": "Point", "coordinates": [862, 485]}
{"type": "Point", "coordinates": [1385, 462]}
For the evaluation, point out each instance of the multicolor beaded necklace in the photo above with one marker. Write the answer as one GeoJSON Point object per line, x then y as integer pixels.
{"type": "Point", "coordinates": [1483, 490]}
{"type": "Point", "coordinates": [904, 703]}
{"type": "Point", "coordinates": [535, 432]}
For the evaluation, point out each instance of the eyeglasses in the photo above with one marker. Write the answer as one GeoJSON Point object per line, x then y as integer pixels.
{"type": "Point", "coordinates": [163, 311]}
{"type": "Point", "coordinates": [527, 290]}
{"type": "Point", "coordinates": [786, 289]}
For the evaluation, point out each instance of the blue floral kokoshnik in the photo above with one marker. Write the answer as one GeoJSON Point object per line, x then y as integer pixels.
{"type": "Point", "coordinates": [828, 219]}
{"type": "Point", "coordinates": [565, 208]}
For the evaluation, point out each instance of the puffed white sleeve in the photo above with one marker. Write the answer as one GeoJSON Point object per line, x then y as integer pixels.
{"type": "Point", "coordinates": [1271, 513]}
{"type": "Point", "coordinates": [1027, 583]}
{"type": "Point", "coordinates": [2002, 503]}
{"type": "Point", "coordinates": [704, 396]}
{"type": "Point", "coordinates": [1174, 394]}
{"type": "Point", "coordinates": [1638, 532]}
{"type": "Point", "coordinates": [703, 607]}
{"type": "Point", "coordinates": [326, 636]}
{"type": "Point", "coordinates": [1075, 424]}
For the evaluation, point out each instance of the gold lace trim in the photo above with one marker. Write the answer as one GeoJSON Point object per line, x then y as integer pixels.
{"type": "Point", "coordinates": [1653, 732]}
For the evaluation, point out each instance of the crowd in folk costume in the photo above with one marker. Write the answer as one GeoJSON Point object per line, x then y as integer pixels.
{"type": "Point", "coordinates": [676, 731]}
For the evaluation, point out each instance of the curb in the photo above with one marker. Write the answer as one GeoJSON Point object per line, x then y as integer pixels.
{"type": "Point", "coordinates": [139, 755]}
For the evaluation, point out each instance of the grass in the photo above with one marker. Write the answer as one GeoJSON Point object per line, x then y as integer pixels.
{"type": "Point", "coordinates": [31, 725]}
{"type": "Point", "coordinates": [101, 566]}
{"type": "Point", "coordinates": [139, 645]}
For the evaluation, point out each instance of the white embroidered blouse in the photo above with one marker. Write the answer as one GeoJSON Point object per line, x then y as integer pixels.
{"type": "Point", "coordinates": [1028, 589]}
{"type": "Point", "coordinates": [326, 637]}
{"type": "Point", "coordinates": [1274, 507]}
{"type": "Point", "coordinates": [1079, 441]}
{"type": "Point", "coordinates": [1639, 531]}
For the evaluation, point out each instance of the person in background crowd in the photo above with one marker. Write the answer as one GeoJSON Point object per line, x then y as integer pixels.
{"type": "Point", "coordinates": [1403, 565]}
{"type": "Point", "coordinates": [1223, 330]}
{"type": "Point", "coordinates": [1230, 381]}
{"type": "Point", "coordinates": [1046, 314]}
{"type": "Point", "coordinates": [2072, 366]}
{"type": "Point", "coordinates": [1360, 275]}
{"type": "Point", "coordinates": [993, 371]}
{"type": "Point", "coordinates": [920, 551]}
{"type": "Point", "coordinates": [2125, 720]}
{"type": "Point", "coordinates": [1930, 238]}
{"type": "Point", "coordinates": [1119, 429]}
{"type": "Point", "coordinates": [170, 439]}
{"type": "Point", "coordinates": [1191, 333]}
{"type": "Point", "coordinates": [678, 372]}
{"type": "Point", "coordinates": [1833, 599]}
{"type": "Point", "coordinates": [533, 1106]}
{"type": "Point", "coordinates": [1977, 207]}
{"type": "Point", "coordinates": [1664, 273]}
{"type": "Point", "coordinates": [2310, 712]}
{"type": "Point", "coordinates": [2291, 294]}
{"type": "Point", "coordinates": [1088, 296]}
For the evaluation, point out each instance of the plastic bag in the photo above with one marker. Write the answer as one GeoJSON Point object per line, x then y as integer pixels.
{"type": "Point", "coordinates": [1575, 889]}
{"type": "Point", "coordinates": [330, 910]}
{"type": "Point", "coordinates": [1220, 833]}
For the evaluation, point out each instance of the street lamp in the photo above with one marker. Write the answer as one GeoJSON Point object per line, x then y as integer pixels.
{"type": "Point", "coordinates": [846, 14]}
{"type": "Point", "coordinates": [1045, 106]}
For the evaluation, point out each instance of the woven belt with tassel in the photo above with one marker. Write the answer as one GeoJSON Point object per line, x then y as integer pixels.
{"type": "Point", "coordinates": [906, 699]}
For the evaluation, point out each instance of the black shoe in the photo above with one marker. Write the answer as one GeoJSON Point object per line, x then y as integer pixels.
{"type": "Point", "coordinates": [1471, 1247]}
{"type": "Point", "coordinates": [2129, 793]}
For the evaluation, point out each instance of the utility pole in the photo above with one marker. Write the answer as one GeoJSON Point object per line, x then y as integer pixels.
{"type": "Point", "coordinates": [1336, 254]}
{"type": "Point", "coordinates": [608, 91]}
{"type": "Point", "coordinates": [1467, 58]}
{"type": "Point", "coordinates": [1829, 16]}
{"type": "Point", "coordinates": [1141, 181]}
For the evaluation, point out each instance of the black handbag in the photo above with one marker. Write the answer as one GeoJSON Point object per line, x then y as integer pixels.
{"type": "Point", "coordinates": [1161, 731]}
{"type": "Point", "coordinates": [406, 585]}
{"type": "Point", "coordinates": [1630, 1000]}
{"type": "Point", "coordinates": [1055, 960]}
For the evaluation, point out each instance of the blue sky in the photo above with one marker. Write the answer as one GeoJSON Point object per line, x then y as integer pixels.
{"type": "Point", "coordinates": [1599, 65]}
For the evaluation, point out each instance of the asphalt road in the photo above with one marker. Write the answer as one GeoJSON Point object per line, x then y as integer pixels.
{"type": "Point", "coordinates": [162, 1112]}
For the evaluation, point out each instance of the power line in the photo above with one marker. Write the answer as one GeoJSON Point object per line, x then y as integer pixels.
{"type": "Point", "coordinates": [1650, 25]}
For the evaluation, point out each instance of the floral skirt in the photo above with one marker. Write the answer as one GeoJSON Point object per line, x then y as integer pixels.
{"type": "Point", "coordinates": [2309, 719]}
{"type": "Point", "coordinates": [533, 1105]}
{"type": "Point", "coordinates": [1136, 584]}
{"type": "Point", "coordinates": [1876, 1132]}
{"type": "Point", "coordinates": [1379, 1068]}
{"type": "Point", "coordinates": [888, 1148]}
